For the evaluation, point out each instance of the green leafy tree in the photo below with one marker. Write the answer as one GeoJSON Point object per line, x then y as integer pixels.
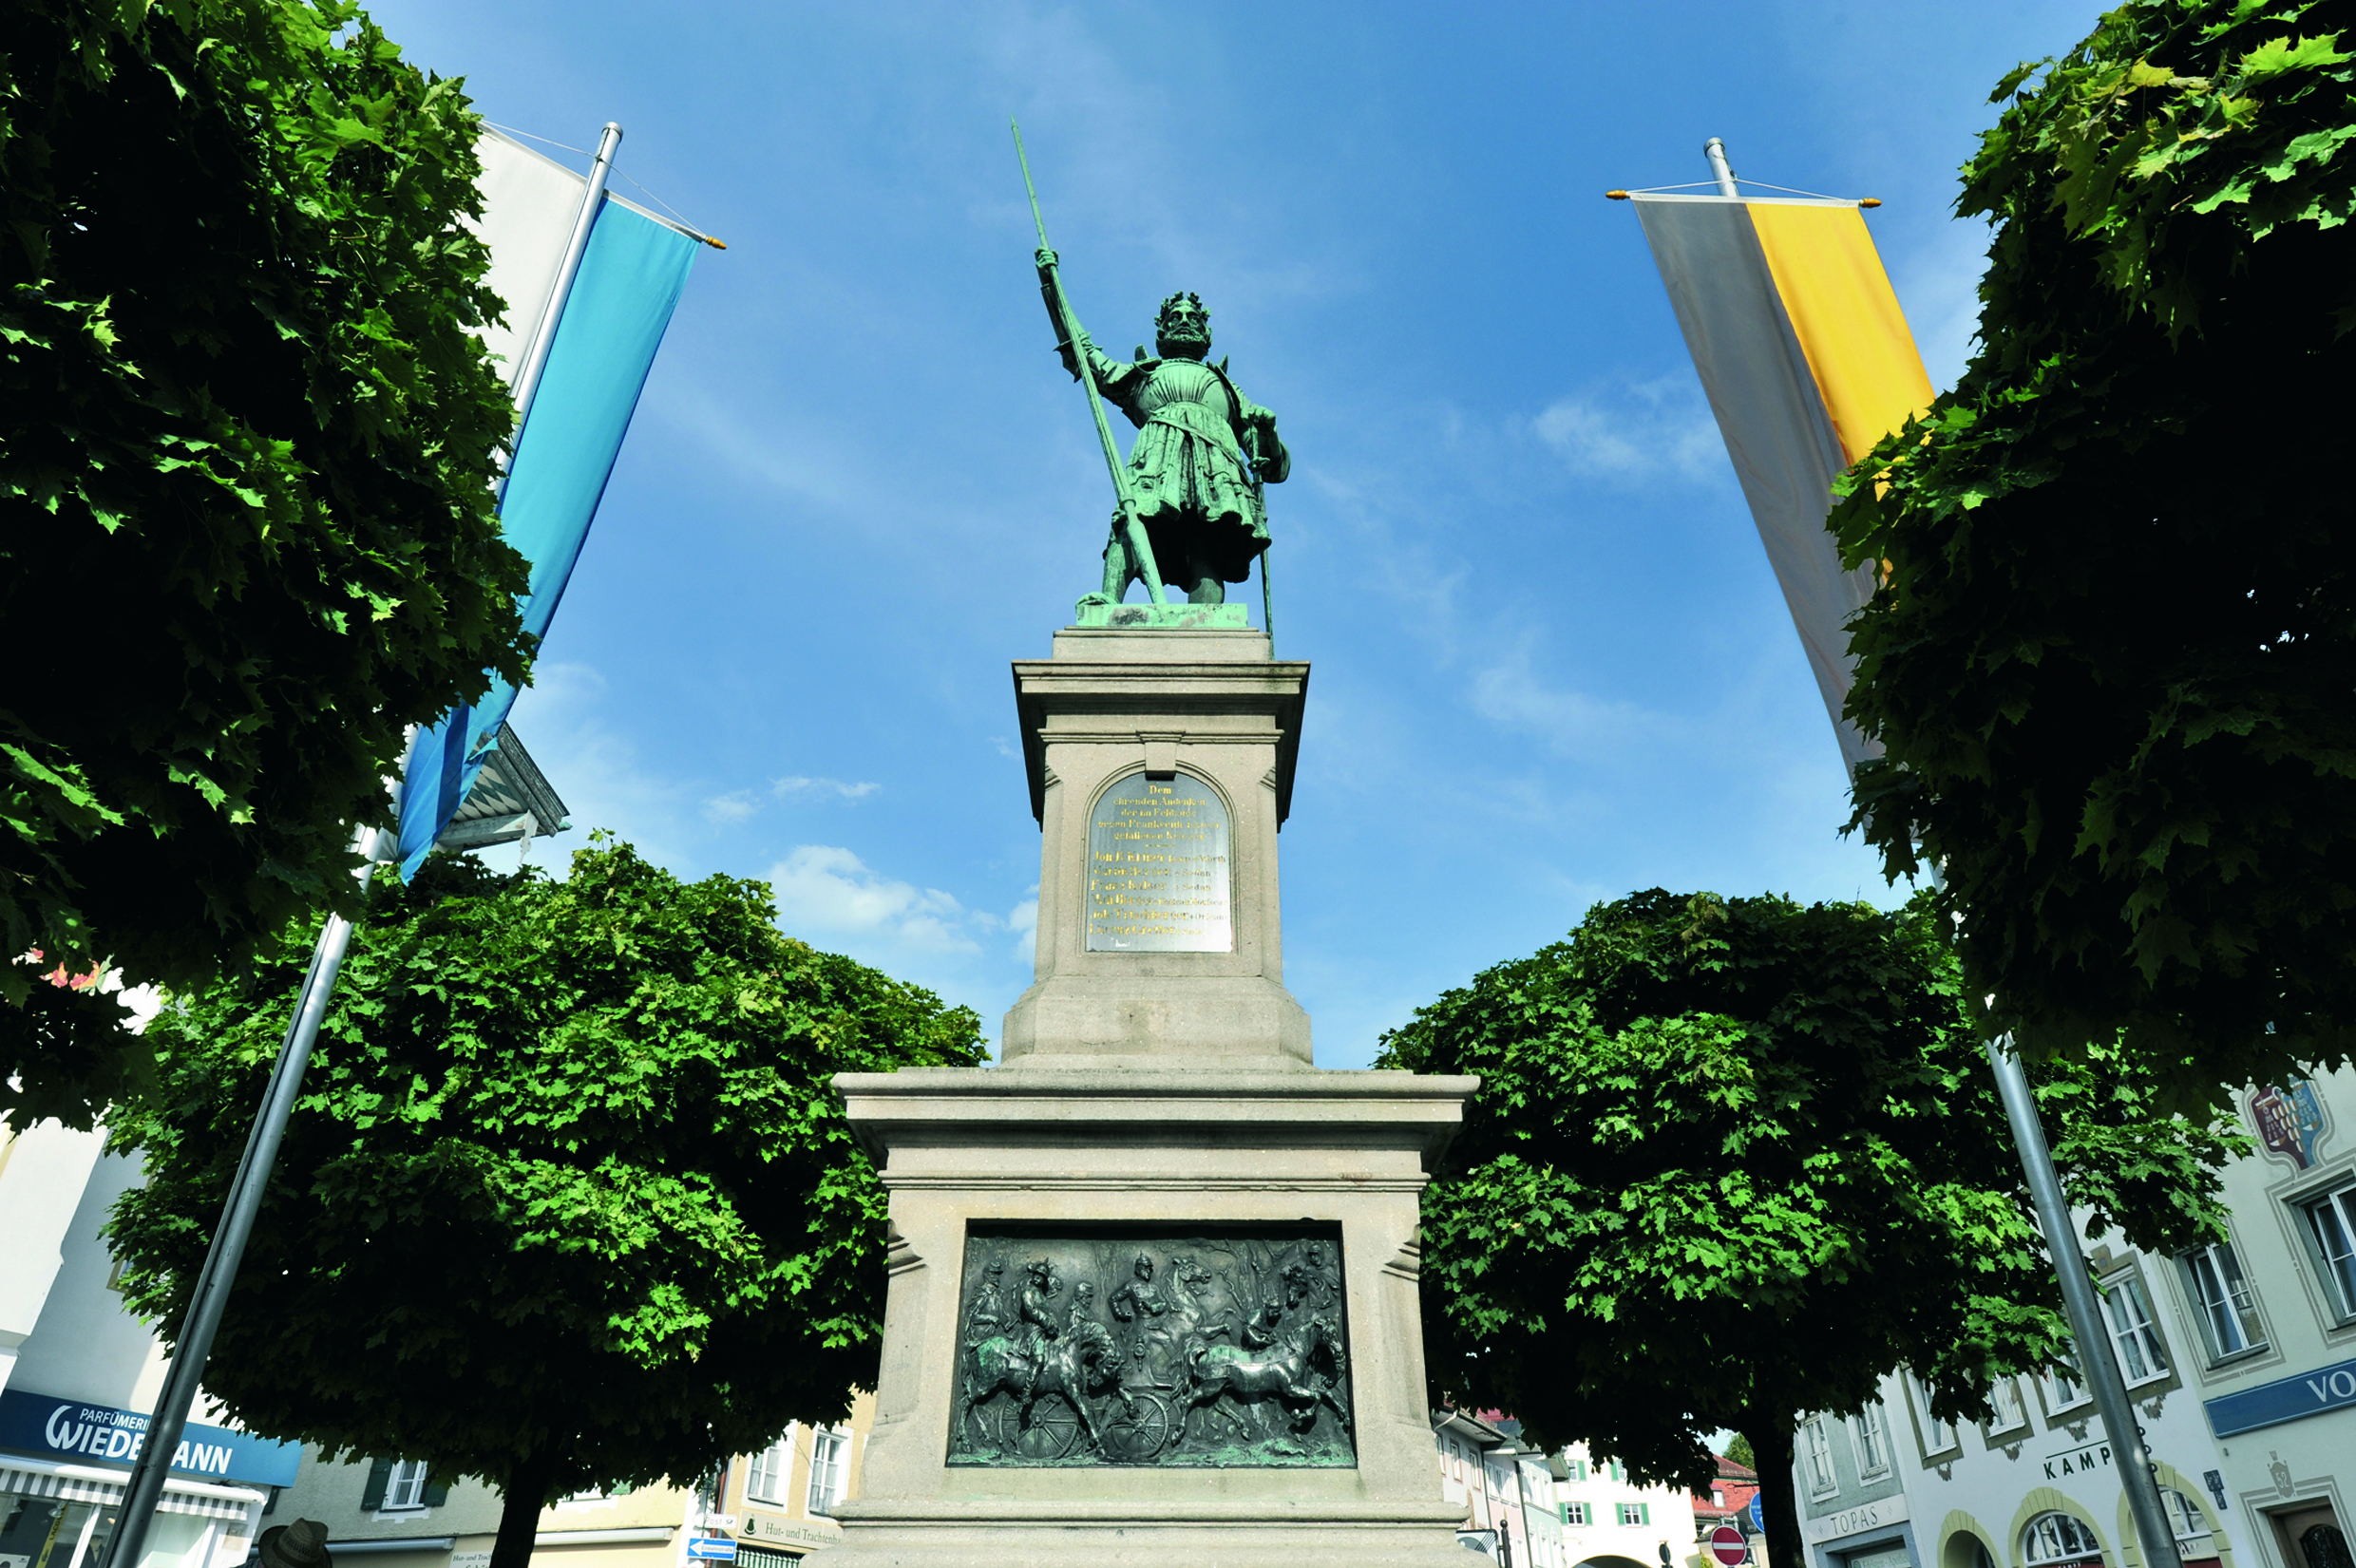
{"type": "Point", "coordinates": [568, 1199]}
{"type": "Point", "coordinates": [246, 445]}
{"type": "Point", "coordinates": [1739, 1451]}
{"type": "Point", "coordinates": [2111, 657]}
{"type": "Point", "coordinates": [1732, 1159]}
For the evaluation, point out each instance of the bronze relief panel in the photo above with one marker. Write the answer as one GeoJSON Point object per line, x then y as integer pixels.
{"type": "Point", "coordinates": [1153, 1347]}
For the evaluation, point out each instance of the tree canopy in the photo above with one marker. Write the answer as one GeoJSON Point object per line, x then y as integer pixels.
{"type": "Point", "coordinates": [1732, 1159]}
{"type": "Point", "coordinates": [568, 1199]}
{"type": "Point", "coordinates": [2110, 658]}
{"type": "Point", "coordinates": [246, 525]}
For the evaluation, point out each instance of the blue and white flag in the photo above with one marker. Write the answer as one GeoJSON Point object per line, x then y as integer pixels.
{"type": "Point", "coordinates": [609, 322]}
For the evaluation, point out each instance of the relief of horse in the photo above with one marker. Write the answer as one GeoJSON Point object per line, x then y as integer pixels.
{"type": "Point", "coordinates": [1284, 1372]}
{"type": "Point", "coordinates": [1084, 1359]}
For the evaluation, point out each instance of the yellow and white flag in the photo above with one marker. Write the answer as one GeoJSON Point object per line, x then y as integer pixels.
{"type": "Point", "coordinates": [1806, 362]}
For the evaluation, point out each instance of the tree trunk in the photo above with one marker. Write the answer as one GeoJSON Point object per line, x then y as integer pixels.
{"type": "Point", "coordinates": [527, 1494]}
{"type": "Point", "coordinates": [1778, 1504]}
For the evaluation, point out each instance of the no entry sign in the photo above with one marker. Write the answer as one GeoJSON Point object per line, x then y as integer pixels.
{"type": "Point", "coordinates": [1727, 1545]}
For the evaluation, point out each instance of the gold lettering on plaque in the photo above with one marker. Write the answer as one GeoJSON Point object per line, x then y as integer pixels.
{"type": "Point", "coordinates": [1158, 868]}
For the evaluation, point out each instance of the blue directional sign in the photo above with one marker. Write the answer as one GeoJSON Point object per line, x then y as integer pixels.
{"type": "Point", "coordinates": [1758, 1520]}
{"type": "Point", "coordinates": [712, 1548]}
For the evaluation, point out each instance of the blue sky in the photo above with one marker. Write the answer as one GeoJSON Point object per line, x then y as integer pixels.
{"type": "Point", "coordinates": [1550, 662]}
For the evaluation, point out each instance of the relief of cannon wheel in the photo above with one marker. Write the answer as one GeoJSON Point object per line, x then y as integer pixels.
{"type": "Point", "coordinates": [1137, 1431]}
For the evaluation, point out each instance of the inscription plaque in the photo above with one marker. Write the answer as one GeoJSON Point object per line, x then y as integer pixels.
{"type": "Point", "coordinates": [1157, 1349]}
{"type": "Point", "coordinates": [1157, 868]}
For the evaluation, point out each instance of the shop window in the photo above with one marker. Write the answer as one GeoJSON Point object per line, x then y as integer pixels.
{"type": "Point", "coordinates": [2142, 1355]}
{"type": "Point", "coordinates": [829, 1464]}
{"type": "Point", "coordinates": [1817, 1444]}
{"type": "Point", "coordinates": [2228, 1312]}
{"type": "Point", "coordinates": [1869, 1434]}
{"type": "Point", "coordinates": [767, 1481]}
{"type": "Point", "coordinates": [2332, 1224]}
{"type": "Point", "coordinates": [2194, 1542]}
{"type": "Point", "coordinates": [2057, 1540]}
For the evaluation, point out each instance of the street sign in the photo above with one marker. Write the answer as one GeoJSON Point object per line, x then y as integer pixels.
{"type": "Point", "coordinates": [1728, 1547]}
{"type": "Point", "coordinates": [1758, 1519]}
{"type": "Point", "coordinates": [712, 1548]}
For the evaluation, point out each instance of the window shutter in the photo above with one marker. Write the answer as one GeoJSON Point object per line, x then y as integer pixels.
{"type": "Point", "coordinates": [373, 1496]}
{"type": "Point", "coordinates": [437, 1493]}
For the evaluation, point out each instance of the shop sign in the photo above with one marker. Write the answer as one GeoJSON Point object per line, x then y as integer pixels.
{"type": "Point", "coordinates": [1849, 1522]}
{"type": "Point", "coordinates": [2330, 1388]}
{"type": "Point", "coordinates": [2078, 1460]}
{"type": "Point", "coordinates": [104, 1434]}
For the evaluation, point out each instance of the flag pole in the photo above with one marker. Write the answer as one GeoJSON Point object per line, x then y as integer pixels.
{"type": "Point", "coordinates": [206, 1304]}
{"type": "Point", "coordinates": [2096, 1357]}
{"type": "Point", "coordinates": [2086, 1315]}
{"type": "Point", "coordinates": [544, 333]}
{"type": "Point", "coordinates": [1715, 150]}
{"type": "Point", "coordinates": [157, 1447]}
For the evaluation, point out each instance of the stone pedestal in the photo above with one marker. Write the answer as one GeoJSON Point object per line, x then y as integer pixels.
{"type": "Point", "coordinates": [1159, 1099]}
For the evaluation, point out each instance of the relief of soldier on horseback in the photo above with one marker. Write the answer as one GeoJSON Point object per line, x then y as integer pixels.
{"type": "Point", "coordinates": [1240, 1360]}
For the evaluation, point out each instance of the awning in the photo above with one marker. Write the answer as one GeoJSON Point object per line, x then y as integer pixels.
{"type": "Point", "coordinates": [87, 1484]}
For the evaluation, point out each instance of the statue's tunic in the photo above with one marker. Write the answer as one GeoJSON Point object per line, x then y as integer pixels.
{"type": "Point", "coordinates": [1188, 475]}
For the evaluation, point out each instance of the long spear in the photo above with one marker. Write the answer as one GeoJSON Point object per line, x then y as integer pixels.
{"type": "Point", "coordinates": [1050, 286]}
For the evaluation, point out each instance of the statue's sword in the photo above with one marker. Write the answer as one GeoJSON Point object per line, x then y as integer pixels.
{"type": "Point", "coordinates": [1059, 310]}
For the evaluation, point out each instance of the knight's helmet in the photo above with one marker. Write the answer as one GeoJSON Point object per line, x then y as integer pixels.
{"type": "Point", "coordinates": [1191, 326]}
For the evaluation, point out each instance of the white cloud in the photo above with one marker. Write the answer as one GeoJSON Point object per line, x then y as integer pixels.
{"type": "Point", "coordinates": [1639, 431]}
{"type": "Point", "coordinates": [730, 808]}
{"type": "Point", "coordinates": [1024, 920]}
{"type": "Point", "coordinates": [799, 786]}
{"type": "Point", "coordinates": [1510, 693]}
{"type": "Point", "coordinates": [827, 890]}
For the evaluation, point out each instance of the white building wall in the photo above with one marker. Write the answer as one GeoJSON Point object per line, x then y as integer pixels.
{"type": "Point", "coordinates": [43, 1172]}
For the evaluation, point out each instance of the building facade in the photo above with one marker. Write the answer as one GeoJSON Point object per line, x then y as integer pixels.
{"type": "Point", "coordinates": [2240, 1359]}
{"type": "Point", "coordinates": [79, 1375]}
{"type": "Point", "coordinates": [771, 1509]}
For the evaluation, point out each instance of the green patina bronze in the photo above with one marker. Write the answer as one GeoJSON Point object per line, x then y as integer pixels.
{"type": "Point", "coordinates": [1190, 506]}
{"type": "Point", "coordinates": [1157, 1350]}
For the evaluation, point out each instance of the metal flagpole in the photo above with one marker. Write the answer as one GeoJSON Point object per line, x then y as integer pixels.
{"type": "Point", "coordinates": [2096, 1358]}
{"type": "Point", "coordinates": [2085, 1314]}
{"type": "Point", "coordinates": [1715, 150]}
{"type": "Point", "coordinates": [544, 335]}
{"type": "Point", "coordinates": [194, 1346]}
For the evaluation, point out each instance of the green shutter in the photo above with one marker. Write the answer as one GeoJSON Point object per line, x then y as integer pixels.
{"type": "Point", "coordinates": [1643, 1513]}
{"type": "Point", "coordinates": [437, 1492]}
{"type": "Point", "coordinates": [373, 1496]}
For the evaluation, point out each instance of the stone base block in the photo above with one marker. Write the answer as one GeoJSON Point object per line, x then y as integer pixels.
{"type": "Point", "coordinates": [1111, 1019]}
{"type": "Point", "coordinates": [1051, 1157]}
{"type": "Point", "coordinates": [1181, 616]}
{"type": "Point", "coordinates": [997, 1534]}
